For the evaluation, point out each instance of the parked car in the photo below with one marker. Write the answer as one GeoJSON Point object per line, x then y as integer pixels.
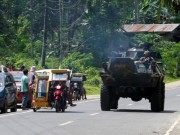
{"type": "Point", "coordinates": [8, 92]}
{"type": "Point", "coordinates": [17, 77]}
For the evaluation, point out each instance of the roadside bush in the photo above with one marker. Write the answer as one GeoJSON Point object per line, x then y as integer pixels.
{"type": "Point", "coordinates": [170, 56]}
{"type": "Point", "coordinates": [83, 63]}
{"type": "Point", "coordinates": [93, 77]}
{"type": "Point", "coordinates": [77, 61]}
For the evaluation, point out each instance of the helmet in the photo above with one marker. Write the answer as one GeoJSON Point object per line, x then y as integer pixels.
{"type": "Point", "coordinates": [75, 85]}
{"type": "Point", "coordinates": [146, 52]}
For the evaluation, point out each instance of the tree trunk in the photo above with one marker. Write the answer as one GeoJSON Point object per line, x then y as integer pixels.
{"type": "Point", "coordinates": [43, 55]}
{"type": "Point", "coordinates": [70, 36]}
{"type": "Point", "coordinates": [136, 3]}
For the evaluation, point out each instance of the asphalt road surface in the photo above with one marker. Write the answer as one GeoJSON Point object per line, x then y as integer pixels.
{"type": "Point", "coordinates": [131, 118]}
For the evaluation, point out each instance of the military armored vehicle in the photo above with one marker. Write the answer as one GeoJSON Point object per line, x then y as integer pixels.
{"type": "Point", "coordinates": [126, 77]}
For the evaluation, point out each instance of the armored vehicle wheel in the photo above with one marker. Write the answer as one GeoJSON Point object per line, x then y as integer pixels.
{"type": "Point", "coordinates": [156, 99]}
{"type": "Point", "coordinates": [163, 96]}
{"type": "Point", "coordinates": [105, 99]}
{"type": "Point", "coordinates": [114, 103]}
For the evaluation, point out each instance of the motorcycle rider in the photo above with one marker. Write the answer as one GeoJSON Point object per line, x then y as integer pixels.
{"type": "Point", "coordinates": [69, 94]}
{"type": "Point", "coordinates": [66, 92]}
{"type": "Point", "coordinates": [77, 90]}
{"type": "Point", "coordinates": [63, 95]}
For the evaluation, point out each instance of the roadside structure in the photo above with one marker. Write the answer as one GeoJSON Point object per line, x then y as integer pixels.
{"type": "Point", "coordinates": [170, 32]}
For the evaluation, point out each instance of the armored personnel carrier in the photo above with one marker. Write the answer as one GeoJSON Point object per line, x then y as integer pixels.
{"type": "Point", "coordinates": [126, 77]}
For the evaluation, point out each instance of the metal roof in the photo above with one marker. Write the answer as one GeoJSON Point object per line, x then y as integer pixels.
{"type": "Point", "coordinates": [150, 27]}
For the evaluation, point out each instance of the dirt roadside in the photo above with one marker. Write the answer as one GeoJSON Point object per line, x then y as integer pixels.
{"type": "Point", "coordinates": [172, 85]}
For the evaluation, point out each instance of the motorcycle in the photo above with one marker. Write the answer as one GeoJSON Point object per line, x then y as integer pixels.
{"type": "Point", "coordinates": [59, 98]}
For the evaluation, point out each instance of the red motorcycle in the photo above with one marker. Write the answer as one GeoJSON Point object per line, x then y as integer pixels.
{"type": "Point", "coordinates": [59, 98]}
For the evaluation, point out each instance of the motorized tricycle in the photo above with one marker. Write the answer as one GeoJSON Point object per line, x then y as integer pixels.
{"type": "Point", "coordinates": [77, 88]}
{"type": "Point", "coordinates": [51, 89]}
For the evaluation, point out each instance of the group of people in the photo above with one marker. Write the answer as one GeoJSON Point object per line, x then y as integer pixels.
{"type": "Point", "coordinates": [27, 82]}
{"type": "Point", "coordinates": [146, 59]}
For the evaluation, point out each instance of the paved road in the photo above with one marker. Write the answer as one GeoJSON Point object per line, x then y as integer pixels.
{"type": "Point", "coordinates": [131, 118]}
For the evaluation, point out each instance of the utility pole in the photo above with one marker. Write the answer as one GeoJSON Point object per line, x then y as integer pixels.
{"type": "Point", "coordinates": [43, 54]}
{"type": "Point", "coordinates": [136, 4]}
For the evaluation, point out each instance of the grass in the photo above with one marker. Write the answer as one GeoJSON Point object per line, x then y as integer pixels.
{"type": "Point", "coordinates": [169, 79]}
{"type": "Point", "coordinates": [92, 90]}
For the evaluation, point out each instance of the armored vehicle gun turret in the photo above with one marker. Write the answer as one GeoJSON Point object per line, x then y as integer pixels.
{"type": "Point", "coordinates": [127, 77]}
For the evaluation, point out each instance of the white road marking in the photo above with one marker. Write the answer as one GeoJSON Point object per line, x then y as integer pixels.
{"type": "Point", "coordinates": [130, 104]}
{"type": "Point", "coordinates": [12, 114]}
{"type": "Point", "coordinates": [94, 114]}
{"type": "Point", "coordinates": [178, 95]}
{"type": "Point", "coordinates": [173, 126]}
{"type": "Point", "coordinates": [66, 123]}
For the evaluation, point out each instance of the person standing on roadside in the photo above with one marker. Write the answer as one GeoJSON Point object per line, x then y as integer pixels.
{"type": "Point", "coordinates": [31, 76]}
{"type": "Point", "coordinates": [24, 89]}
{"type": "Point", "coordinates": [22, 67]}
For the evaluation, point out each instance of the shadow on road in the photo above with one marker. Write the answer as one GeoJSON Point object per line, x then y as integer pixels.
{"type": "Point", "coordinates": [143, 111]}
{"type": "Point", "coordinates": [53, 111]}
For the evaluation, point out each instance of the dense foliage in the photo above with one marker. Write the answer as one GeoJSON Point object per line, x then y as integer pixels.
{"type": "Point", "coordinates": [80, 34]}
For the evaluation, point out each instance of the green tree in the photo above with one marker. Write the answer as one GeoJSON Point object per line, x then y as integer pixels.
{"type": "Point", "coordinates": [170, 55]}
{"type": "Point", "coordinates": [103, 19]}
{"type": "Point", "coordinates": [158, 11]}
